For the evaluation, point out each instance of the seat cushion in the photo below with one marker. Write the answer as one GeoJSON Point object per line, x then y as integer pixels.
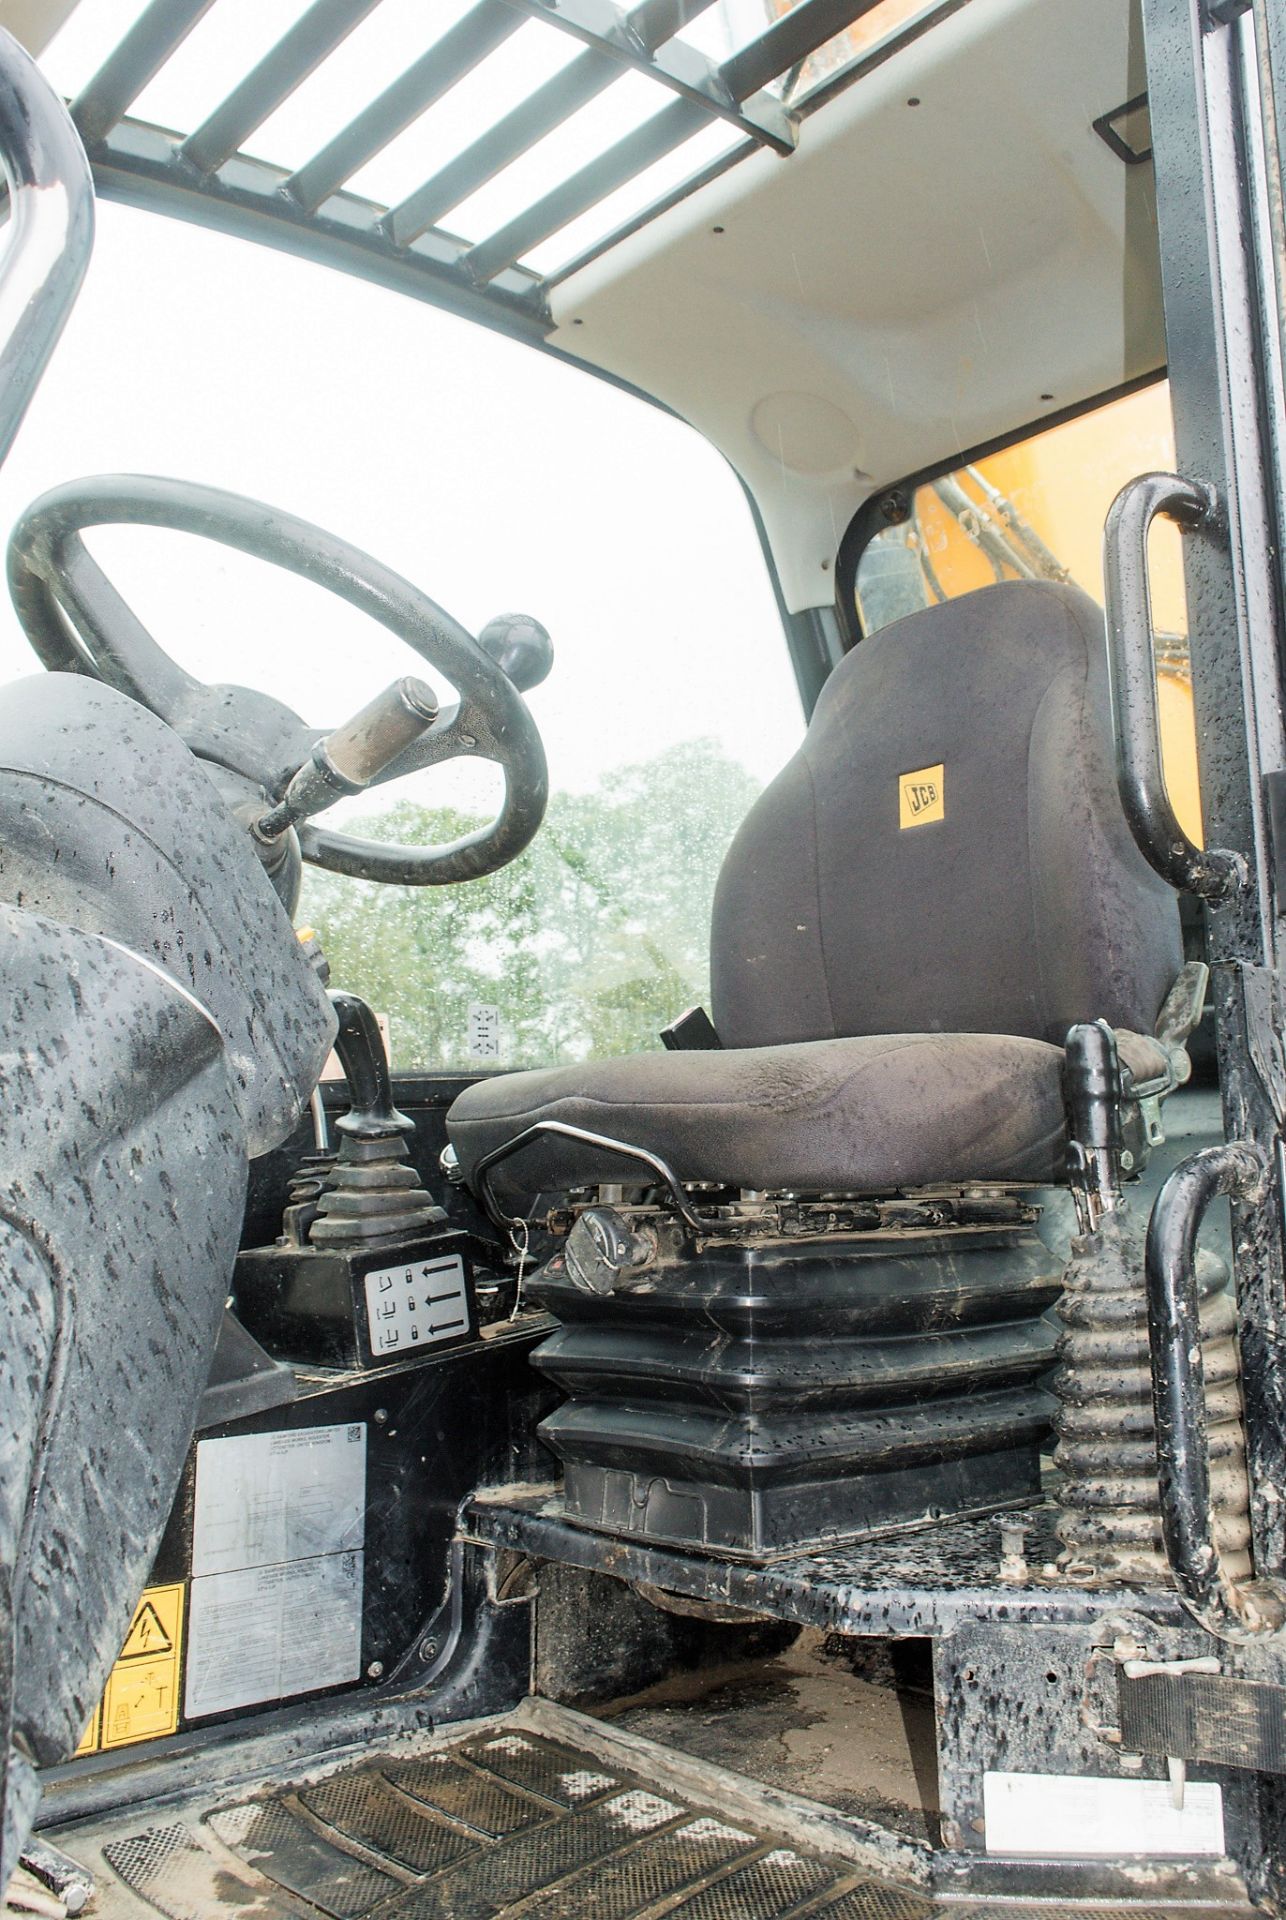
{"type": "Point", "coordinates": [863, 1115]}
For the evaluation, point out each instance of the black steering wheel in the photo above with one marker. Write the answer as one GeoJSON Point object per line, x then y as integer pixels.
{"type": "Point", "coordinates": [78, 623]}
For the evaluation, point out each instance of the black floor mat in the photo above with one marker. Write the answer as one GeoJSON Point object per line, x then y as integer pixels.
{"type": "Point", "coordinates": [502, 1823]}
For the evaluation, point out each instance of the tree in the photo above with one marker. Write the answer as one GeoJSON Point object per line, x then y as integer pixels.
{"type": "Point", "coordinates": [588, 943]}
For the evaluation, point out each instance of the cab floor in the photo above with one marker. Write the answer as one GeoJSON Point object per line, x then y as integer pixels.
{"type": "Point", "coordinates": [501, 1822]}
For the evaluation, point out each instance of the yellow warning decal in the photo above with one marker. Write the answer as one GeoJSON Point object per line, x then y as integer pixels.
{"type": "Point", "coordinates": [921, 796]}
{"type": "Point", "coordinates": [141, 1699]}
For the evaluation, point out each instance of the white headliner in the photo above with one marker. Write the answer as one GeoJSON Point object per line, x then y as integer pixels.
{"type": "Point", "coordinates": [909, 283]}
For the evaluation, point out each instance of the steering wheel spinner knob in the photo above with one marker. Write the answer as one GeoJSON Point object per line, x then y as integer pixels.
{"type": "Point", "coordinates": [520, 647]}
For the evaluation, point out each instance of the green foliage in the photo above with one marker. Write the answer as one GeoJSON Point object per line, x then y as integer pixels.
{"type": "Point", "coordinates": [588, 944]}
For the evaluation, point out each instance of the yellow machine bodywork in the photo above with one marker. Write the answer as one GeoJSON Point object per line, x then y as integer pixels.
{"type": "Point", "coordinates": [1062, 483]}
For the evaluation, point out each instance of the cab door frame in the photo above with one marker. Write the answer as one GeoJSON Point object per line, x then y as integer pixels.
{"type": "Point", "coordinates": [1216, 73]}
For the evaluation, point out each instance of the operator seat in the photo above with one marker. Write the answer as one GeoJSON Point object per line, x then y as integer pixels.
{"type": "Point", "coordinates": [937, 886]}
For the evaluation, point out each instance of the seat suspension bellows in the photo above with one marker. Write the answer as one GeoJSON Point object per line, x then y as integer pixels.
{"type": "Point", "coordinates": [1109, 1495]}
{"type": "Point", "coordinates": [760, 1394]}
{"type": "Point", "coordinates": [1110, 1518]}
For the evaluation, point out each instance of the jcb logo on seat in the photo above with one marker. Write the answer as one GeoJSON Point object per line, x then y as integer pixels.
{"type": "Point", "coordinates": [921, 797]}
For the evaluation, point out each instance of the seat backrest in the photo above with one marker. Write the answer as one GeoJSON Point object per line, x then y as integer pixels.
{"type": "Point", "coordinates": [946, 852]}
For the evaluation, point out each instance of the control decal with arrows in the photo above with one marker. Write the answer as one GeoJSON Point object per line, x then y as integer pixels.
{"type": "Point", "coordinates": [416, 1305]}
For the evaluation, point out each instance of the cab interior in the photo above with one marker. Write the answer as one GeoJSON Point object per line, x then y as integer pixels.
{"type": "Point", "coordinates": [707, 1466]}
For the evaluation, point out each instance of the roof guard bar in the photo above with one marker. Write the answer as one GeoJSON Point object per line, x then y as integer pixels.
{"type": "Point", "coordinates": [734, 92]}
{"type": "Point", "coordinates": [1230, 1612]}
{"type": "Point", "coordinates": [563, 94]}
{"type": "Point", "coordinates": [1213, 873]}
{"type": "Point", "coordinates": [312, 208]}
{"type": "Point", "coordinates": [158, 32]}
{"type": "Point", "coordinates": [617, 42]}
{"type": "Point", "coordinates": [300, 50]}
{"type": "Point", "coordinates": [633, 155]}
{"type": "Point", "coordinates": [51, 229]}
{"type": "Point", "coordinates": [484, 28]}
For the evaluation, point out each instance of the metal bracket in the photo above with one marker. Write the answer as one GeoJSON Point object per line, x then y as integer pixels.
{"type": "Point", "coordinates": [1153, 1125]}
{"type": "Point", "coordinates": [662, 1173]}
{"type": "Point", "coordinates": [1092, 1096]}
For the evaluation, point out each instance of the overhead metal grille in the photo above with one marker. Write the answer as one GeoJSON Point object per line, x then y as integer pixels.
{"type": "Point", "coordinates": [414, 243]}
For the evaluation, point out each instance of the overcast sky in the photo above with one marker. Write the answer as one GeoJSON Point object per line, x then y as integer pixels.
{"type": "Point", "coordinates": [490, 475]}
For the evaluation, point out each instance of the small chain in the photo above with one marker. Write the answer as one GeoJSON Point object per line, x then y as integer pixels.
{"type": "Point", "coordinates": [519, 1239]}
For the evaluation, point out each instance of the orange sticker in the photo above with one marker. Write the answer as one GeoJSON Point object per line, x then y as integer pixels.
{"type": "Point", "coordinates": [921, 796]}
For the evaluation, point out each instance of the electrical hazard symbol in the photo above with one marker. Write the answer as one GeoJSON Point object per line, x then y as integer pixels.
{"type": "Point", "coordinates": [141, 1699]}
{"type": "Point", "coordinates": [148, 1634]}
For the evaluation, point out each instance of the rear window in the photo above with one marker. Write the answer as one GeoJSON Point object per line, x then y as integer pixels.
{"type": "Point", "coordinates": [1036, 511]}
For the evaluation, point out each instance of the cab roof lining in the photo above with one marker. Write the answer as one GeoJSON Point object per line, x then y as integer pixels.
{"type": "Point", "coordinates": [951, 255]}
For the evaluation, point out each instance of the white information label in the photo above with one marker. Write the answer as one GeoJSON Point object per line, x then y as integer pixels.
{"type": "Point", "coordinates": [266, 1497]}
{"type": "Point", "coordinates": [416, 1306]}
{"type": "Point", "coordinates": [267, 1633]}
{"type": "Point", "coordinates": [1061, 1814]}
{"type": "Point", "coordinates": [484, 1031]}
{"type": "Point", "coordinates": [277, 1561]}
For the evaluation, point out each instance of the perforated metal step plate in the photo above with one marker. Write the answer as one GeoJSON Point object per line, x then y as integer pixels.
{"type": "Point", "coordinates": [504, 1822]}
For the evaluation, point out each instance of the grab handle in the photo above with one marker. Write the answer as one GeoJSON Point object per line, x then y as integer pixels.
{"type": "Point", "coordinates": [1229, 1611]}
{"type": "Point", "coordinates": [50, 231]}
{"type": "Point", "coordinates": [1213, 873]}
